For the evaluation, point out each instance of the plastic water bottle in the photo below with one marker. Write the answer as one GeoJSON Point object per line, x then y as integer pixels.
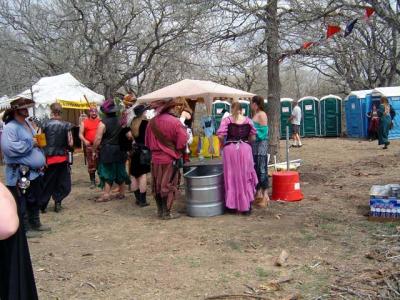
{"type": "Point", "coordinates": [70, 157]}
{"type": "Point", "coordinates": [373, 211]}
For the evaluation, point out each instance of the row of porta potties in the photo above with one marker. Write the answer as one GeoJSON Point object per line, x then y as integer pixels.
{"type": "Point", "coordinates": [323, 117]}
{"type": "Point", "coordinates": [320, 117]}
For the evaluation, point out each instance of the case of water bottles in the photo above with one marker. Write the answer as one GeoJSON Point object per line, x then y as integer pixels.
{"type": "Point", "coordinates": [385, 201]}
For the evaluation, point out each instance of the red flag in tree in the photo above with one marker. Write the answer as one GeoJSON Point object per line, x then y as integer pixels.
{"type": "Point", "coordinates": [307, 45]}
{"type": "Point", "coordinates": [369, 11]}
{"type": "Point", "coordinates": [332, 30]}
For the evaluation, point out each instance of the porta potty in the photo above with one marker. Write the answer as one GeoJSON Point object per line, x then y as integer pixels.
{"type": "Point", "coordinates": [330, 110]}
{"type": "Point", "coordinates": [217, 108]}
{"type": "Point", "coordinates": [357, 106]}
{"type": "Point", "coordinates": [245, 107]}
{"type": "Point", "coordinates": [393, 95]}
{"type": "Point", "coordinates": [286, 112]}
{"type": "Point", "coordinates": [309, 126]}
{"type": "Point", "coordinates": [265, 104]}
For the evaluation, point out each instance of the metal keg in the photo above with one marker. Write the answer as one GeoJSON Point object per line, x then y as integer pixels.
{"type": "Point", "coordinates": [204, 189]}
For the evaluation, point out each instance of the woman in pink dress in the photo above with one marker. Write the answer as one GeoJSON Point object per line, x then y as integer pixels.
{"type": "Point", "coordinates": [239, 174]}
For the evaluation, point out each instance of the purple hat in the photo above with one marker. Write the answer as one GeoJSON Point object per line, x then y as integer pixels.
{"type": "Point", "coordinates": [109, 106]}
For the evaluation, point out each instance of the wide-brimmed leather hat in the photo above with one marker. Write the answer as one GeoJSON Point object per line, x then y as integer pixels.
{"type": "Point", "coordinates": [21, 103]}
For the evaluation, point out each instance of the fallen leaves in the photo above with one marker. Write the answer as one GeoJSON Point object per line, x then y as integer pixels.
{"type": "Point", "coordinates": [272, 286]}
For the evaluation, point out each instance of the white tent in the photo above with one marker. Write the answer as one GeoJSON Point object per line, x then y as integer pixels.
{"type": "Point", "coordinates": [4, 102]}
{"type": "Point", "coordinates": [63, 88]}
{"type": "Point", "coordinates": [194, 89]}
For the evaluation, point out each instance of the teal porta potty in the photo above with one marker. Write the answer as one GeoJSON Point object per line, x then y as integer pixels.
{"type": "Point", "coordinates": [309, 126]}
{"type": "Point", "coordinates": [217, 108]}
{"type": "Point", "coordinates": [330, 115]}
{"type": "Point", "coordinates": [286, 112]}
{"type": "Point", "coordinates": [245, 107]}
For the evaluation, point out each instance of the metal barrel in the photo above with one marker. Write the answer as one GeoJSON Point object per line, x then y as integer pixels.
{"type": "Point", "coordinates": [204, 189]}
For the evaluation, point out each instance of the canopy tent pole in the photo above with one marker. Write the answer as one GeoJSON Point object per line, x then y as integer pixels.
{"type": "Point", "coordinates": [34, 106]}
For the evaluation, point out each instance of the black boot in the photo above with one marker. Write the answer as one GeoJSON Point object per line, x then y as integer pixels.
{"type": "Point", "coordinates": [34, 221]}
{"type": "Point", "coordinates": [143, 201]}
{"type": "Point", "coordinates": [43, 209]}
{"type": "Point", "coordinates": [137, 196]}
{"type": "Point", "coordinates": [25, 226]}
{"type": "Point", "coordinates": [57, 207]}
{"type": "Point", "coordinates": [159, 206]}
{"type": "Point", "coordinates": [92, 180]}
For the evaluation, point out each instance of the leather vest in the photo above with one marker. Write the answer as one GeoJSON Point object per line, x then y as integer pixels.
{"type": "Point", "coordinates": [56, 132]}
{"type": "Point", "coordinates": [113, 129]}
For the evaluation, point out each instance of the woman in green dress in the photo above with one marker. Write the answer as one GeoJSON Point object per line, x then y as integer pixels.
{"type": "Point", "coordinates": [385, 122]}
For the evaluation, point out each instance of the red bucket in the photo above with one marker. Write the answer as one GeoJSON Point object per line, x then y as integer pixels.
{"type": "Point", "coordinates": [286, 186]}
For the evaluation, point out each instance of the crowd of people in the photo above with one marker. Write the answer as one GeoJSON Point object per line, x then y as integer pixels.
{"type": "Point", "coordinates": [123, 151]}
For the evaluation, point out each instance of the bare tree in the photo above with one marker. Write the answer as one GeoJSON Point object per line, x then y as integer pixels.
{"type": "Point", "coordinates": [106, 43]}
{"type": "Point", "coordinates": [388, 11]}
{"type": "Point", "coordinates": [364, 59]}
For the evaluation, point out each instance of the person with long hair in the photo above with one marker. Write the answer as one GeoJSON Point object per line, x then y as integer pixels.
{"type": "Point", "coordinates": [385, 121]}
{"type": "Point", "coordinates": [138, 167]}
{"type": "Point", "coordinates": [239, 174]}
{"type": "Point", "coordinates": [260, 147]}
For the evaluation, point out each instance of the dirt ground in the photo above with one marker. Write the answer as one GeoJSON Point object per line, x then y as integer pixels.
{"type": "Point", "coordinates": [117, 250]}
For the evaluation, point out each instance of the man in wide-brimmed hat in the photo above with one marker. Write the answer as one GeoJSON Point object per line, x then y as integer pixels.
{"type": "Point", "coordinates": [111, 168]}
{"type": "Point", "coordinates": [20, 148]}
{"type": "Point", "coordinates": [166, 137]}
{"type": "Point", "coordinates": [87, 134]}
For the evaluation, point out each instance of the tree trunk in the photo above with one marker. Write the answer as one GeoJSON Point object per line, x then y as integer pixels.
{"type": "Point", "coordinates": [107, 91]}
{"type": "Point", "coordinates": [274, 83]}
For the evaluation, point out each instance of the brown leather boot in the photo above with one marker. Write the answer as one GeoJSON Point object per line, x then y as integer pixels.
{"type": "Point", "coordinates": [159, 206]}
{"type": "Point", "coordinates": [167, 214]}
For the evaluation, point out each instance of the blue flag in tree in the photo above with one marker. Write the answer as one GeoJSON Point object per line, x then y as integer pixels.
{"type": "Point", "coordinates": [350, 27]}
